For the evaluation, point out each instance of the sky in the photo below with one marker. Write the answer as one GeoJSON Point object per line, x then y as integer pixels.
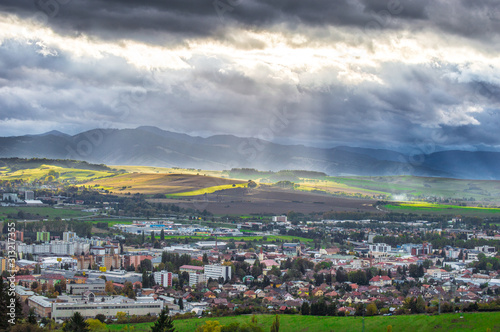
{"type": "Point", "coordinates": [377, 73]}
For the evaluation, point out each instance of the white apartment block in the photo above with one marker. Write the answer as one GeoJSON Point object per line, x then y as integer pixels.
{"type": "Point", "coordinates": [217, 271]}
{"type": "Point", "coordinates": [55, 248]}
{"type": "Point", "coordinates": [62, 248]}
{"type": "Point", "coordinates": [380, 247]}
{"type": "Point", "coordinates": [163, 278]}
{"type": "Point", "coordinates": [195, 279]}
{"type": "Point", "coordinates": [69, 236]}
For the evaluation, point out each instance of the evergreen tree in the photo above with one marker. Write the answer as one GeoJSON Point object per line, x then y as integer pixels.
{"type": "Point", "coordinates": [162, 235]}
{"type": "Point", "coordinates": [331, 309]}
{"type": "Point", "coordinates": [76, 324]}
{"type": "Point", "coordinates": [164, 322]}
{"type": "Point", "coordinates": [181, 304]}
{"type": "Point", "coordinates": [305, 309]}
{"type": "Point", "coordinates": [31, 317]}
{"type": "Point", "coordinates": [145, 280]}
{"type": "Point", "coordinates": [6, 303]}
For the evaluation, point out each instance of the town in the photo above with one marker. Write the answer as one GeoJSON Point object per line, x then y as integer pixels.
{"type": "Point", "coordinates": [331, 267]}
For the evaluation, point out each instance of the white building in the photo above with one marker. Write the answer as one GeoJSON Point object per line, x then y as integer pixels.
{"type": "Point", "coordinates": [29, 195]}
{"type": "Point", "coordinates": [439, 273]}
{"type": "Point", "coordinates": [217, 271]}
{"type": "Point", "coordinates": [55, 247]}
{"type": "Point", "coordinates": [81, 247]}
{"type": "Point", "coordinates": [280, 218]}
{"type": "Point", "coordinates": [62, 248]}
{"type": "Point", "coordinates": [11, 198]}
{"type": "Point", "coordinates": [195, 279]}
{"type": "Point", "coordinates": [89, 305]}
{"type": "Point", "coordinates": [380, 247]}
{"type": "Point", "coordinates": [485, 249]}
{"type": "Point", "coordinates": [69, 236]}
{"type": "Point", "coordinates": [164, 278]}
{"type": "Point", "coordinates": [211, 245]}
{"type": "Point", "coordinates": [24, 248]}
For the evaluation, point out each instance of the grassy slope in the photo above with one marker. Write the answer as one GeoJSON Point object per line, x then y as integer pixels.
{"type": "Point", "coordinates": [423, 207]}
{"type": "Point", "coordinates": [330, 186]}
{"type": "Point", "coordinates": [191, 182]}
{"type": "Point", "coordinates": [45, 212]}
{"type": "Point", "coordinates": [161, 183]}
{"type": "Point", "coordinates": [292, 323]}
{"type": "Point", "coordinates": [41, 172]}
{"type": "Point", "coordinates": [439, 187]}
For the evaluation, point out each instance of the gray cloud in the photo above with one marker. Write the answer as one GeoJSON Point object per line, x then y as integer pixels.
{"type": "Point", "coordinates": [172, 21]}
{"type": "Point", "coordinates": [407, 102]}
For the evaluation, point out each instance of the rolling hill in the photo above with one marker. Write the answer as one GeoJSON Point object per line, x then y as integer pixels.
{"type": "Point", "coordinates": [151, 146]}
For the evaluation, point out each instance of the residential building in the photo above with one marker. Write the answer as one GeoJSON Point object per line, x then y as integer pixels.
{"type": "Point", "coordinates": [19, 236]}
{"type": "Point", "coordinates": [280, 218]}
{"type": "Point", "coordinates": [163, 278]}
{"type": "Point", "coordinates": [438, 273]}
{"type": "Point", "coordinates": [29, 195]}
{"type": "Point", "coordinates": [43, 236]}
{"type": "Point", "coordinates": [195, 279]}
{"type": "Point", "coordinates": [69, 236]}
{"type": "Point", "coordinates": [380, 281]}
{"type": "Point", "coordinates": [218, 271]}
{"type": "Point", "coordinates": [135, 260]}
{"type": "Point", "coordinates": [380, 247]}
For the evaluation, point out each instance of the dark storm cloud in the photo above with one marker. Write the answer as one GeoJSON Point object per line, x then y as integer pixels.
{"type": "Point", "coordinates": [395, 102]}
{"type": "Point", "coordinates": [165, 22]}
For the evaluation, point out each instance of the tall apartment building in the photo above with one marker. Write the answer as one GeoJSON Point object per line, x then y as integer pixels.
{"type": "Point", "coordinates": [43, 236]}
{"type": "Point", "coordinates": [69, 236]}
{"type": "Point", "coordinates": [55, 248]}
{"type": "Point", "coordinates": [217, 271]}
{"type": "Point", "coordinates": [135, 260]}
{"type": "Point", "coordinates": [19, 236]}
{"type": "Point", "coordinates": [195, 279]}
{"type": "Point", "coordinates": [163, 278]}
{"type": "Point", "coordinates": [29, 195]}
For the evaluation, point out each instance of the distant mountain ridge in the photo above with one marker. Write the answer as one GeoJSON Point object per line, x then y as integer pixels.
{"type": "Point", "coordinates": [151, 146]}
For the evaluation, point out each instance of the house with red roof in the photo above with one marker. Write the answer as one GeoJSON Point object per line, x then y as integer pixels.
{"type": "Point", "coordinates": [380, 281]}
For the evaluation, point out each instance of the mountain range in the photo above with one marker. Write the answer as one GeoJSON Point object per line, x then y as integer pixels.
{"type": "Point", "coordinates": [151, 146]}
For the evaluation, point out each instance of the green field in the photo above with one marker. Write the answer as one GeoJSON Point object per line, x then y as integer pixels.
{"type": "Point", "coordinates": [421, 323]}
{"type": "Point", "coordinates": [424, 207]}
{"type": "Point", "coordinates": [112, 222]}
{"type": "Point", "coordinates": [270, 238]}
{"type": "Point", "coordinates": [43, 212]}
{"type": "Point", "coordinates": [480, 190]}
